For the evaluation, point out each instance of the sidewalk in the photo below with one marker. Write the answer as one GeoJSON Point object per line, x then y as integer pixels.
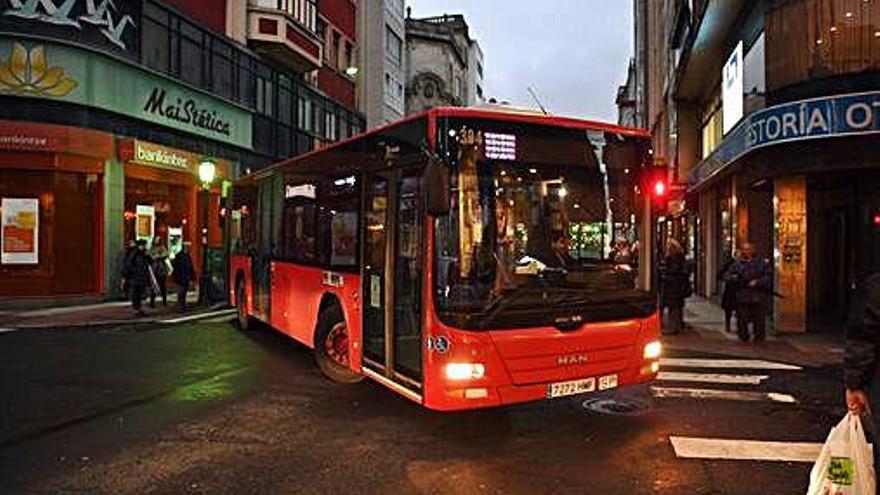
{"type": "Point", "coordinates": [704, 332]}
{"type": "Point", "coordinates": [105, 314]}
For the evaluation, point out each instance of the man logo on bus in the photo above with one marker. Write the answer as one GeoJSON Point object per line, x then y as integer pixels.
{"type": "Point", "coordinates": [571, 359]}
{"type": "Point", "coordinates": [440, 344]}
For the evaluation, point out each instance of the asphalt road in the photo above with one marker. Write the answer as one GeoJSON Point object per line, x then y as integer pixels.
{"type": "Point", "coordinates": [204, 408]}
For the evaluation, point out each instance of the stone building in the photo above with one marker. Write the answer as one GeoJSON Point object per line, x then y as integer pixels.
{"type": "Point", "coordinates": [444, 64]}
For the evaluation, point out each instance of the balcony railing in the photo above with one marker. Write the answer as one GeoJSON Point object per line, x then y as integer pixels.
{"type": "Point", "coordinates": [304, 12]}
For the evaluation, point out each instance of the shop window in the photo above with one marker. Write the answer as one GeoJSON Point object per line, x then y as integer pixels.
{"type": "Point", "coordinates": [285, 104]}
{"type": "Point", "coordinates": [221, 69]}
{"type": "Point", "coordinates": [393, 47]}
{"type": "Point", "coordinates": [264, 96]}
{"type": "Point", "coordinates": [712, 132]}
{"type": "Point", "coordinates": [155, 45]}
{"type": "Point", "coordinates": [191, 54]}
{"type": "Point", "coordinates": [246, 82]}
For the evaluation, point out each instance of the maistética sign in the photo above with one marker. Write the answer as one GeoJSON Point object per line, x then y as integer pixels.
{"type": "Point", "coordinates": [41, 69]}
{"type": "Point", "coordinates": [841, 115]}
{"type": "Point", "coordinates": [186, 112]}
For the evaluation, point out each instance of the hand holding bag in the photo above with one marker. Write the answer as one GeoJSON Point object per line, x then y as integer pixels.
{"type": "Point", "coordinates": [846, 464]}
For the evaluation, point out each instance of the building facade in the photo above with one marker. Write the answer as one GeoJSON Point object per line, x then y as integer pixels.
{"type": "Point", "coordinates": [444, 64]}
{"type": "Point", "coordinates": [381, 82]}
{"type": "Point", "coordinates": [626, 99]}
{"type": "Point", "coordinates": [767, 113]}
{"type": "Point", "coordinates": [109, 110]}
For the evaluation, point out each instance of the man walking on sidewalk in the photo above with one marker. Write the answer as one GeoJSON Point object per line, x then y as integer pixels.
{"type": "Point", "coordinates": [183, 273]}
{"type": "Point", "coordinates": [137, 271]}
{"type": "Point", "coordinates": [753, 280]}
{"type": "Point", "coordinates": [861, 353]}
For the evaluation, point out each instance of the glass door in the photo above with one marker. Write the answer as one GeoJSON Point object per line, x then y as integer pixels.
{"type": "Point", "coordinates": [392, 277]}
{"type": "Point", "coordinates": [408, 280]}
{"type": "Point", "coordinates": [376, 227]}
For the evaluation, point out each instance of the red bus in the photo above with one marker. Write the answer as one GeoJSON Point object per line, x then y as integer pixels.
{"type": "Point", "coordinates": [464, 258]}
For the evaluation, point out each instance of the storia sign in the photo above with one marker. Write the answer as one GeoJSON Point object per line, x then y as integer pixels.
{"type": "Point", "coordinates": [842, 115]}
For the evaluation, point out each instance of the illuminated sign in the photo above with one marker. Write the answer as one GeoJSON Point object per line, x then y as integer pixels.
{"type": "Point", "coordinates": [301, 191]}
{"type": "Point", "coordinates": [842, 115]}
{"type": "Point", "coordinates": [732, 88]}
{"type": "Point", "coordinates": [500, 146]}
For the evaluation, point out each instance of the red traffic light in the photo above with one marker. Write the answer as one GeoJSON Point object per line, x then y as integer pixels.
{"type": "Point", "coordinates": [659, 189]}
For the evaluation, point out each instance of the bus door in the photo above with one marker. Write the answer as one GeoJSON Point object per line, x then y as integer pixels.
{"type": "Point", "coordinates": [261, 257]}
{"type": "Point", "coordinates": [392, 278]}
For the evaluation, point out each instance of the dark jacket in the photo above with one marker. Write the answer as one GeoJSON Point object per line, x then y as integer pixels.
{"type": "Point", "coordinates": [137, 268]}
{"type": "Point", "coordinates": [675, 280]}
{"type": "Point", "coordinates": [183, 270]}
{"type": "Point", "coordinates": [728, 297]}
{"type": "Point", "coordinates": [743, 272]}
{"type": "Point", "coordinates": [863, 335]}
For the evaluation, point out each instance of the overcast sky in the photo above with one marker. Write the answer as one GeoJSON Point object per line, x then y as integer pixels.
{"type": "Point", "coordinates": [574, 53]}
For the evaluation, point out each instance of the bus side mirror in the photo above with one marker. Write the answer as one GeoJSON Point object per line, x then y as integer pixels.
{"type": "Point", "coordinates": [437, 187]}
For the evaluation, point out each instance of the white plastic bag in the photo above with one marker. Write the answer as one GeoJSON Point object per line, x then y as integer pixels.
{"type": "Point", "coordinates": [846, 464]}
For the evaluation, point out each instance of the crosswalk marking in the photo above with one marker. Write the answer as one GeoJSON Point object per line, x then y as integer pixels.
{"type": "Point", "coordinates": [726, 364]}
{"type": "Point", "coordinates": [213, 314]}
{"type": "Point", "coordinates": [706, 393]}
{"type": "Point", "coordinates": [742, 450]}
{"type": "Point", "coordinates": [681, 376]}
{"type": "Point", "coordinates": [7, 330]}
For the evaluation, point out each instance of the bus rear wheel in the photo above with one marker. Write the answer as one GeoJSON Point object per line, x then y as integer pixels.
{"type": "Point", "coordinates": [244, 320]}
{"type": "Point", "coordinates": [331, 346]}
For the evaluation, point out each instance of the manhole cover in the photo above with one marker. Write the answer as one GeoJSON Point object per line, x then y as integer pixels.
{"type": "Point", "coordinates": [618, 406]}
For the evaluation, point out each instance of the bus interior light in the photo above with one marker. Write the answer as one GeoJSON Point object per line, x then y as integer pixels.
{"type": "Point", "coordinates": [653, 350]}
{"type": "Point", "coordinates": [465, 371]}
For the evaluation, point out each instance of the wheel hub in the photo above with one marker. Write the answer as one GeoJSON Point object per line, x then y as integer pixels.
{"type": "Point", "coordinates": [336, 344]}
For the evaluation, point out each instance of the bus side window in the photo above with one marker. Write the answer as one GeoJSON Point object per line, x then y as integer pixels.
{"type": "Point", "coordinates": [339, 215]}
{"type": "Point", "coordinates": [299, 229]}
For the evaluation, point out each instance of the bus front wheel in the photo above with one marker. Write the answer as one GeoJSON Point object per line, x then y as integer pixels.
{"type": "Point", "coordinates": [331, 346]}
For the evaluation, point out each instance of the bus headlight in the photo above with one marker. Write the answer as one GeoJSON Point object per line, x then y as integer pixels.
{"type": "Point", "coordinates": [464, 371]}
{"type": "Point", "coordinates": [653, 350]}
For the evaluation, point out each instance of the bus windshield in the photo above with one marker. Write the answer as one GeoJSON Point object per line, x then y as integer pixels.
{"type": "Point", "coordinates": [543, 226]}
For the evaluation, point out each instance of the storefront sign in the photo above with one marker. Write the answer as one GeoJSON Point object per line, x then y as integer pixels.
{"type": "Point", "coordinates": [19, 231]}
{"type": "Point", "coordinates": [837, 116]}
{"type": "Point", "coordinates": [25, 136]}
{"type": "Point", "coordinates": [106, 24]}
{"type": "Point", "coordinates": [732, 88]}
{"type": "Point", "coordinates": [155, 155]}
{"type": "Point", "coordinates": [67, 73]}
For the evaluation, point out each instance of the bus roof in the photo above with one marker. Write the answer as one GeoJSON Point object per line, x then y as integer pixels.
{"type": "Point", "coordinates": [498, 112]}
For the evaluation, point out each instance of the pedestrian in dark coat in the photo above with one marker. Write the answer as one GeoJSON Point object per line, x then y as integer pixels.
{"type": "Point", "coordinates": [137, 271]}
{"type": "Point", "coordinates": [122, 263]}
{"type": "Point", "coordinates": [861, 360]}
{"type": "Point", "coordinates": [159, 255]}
{"type": "Point", "coordinates": [183, 272]}
{"type": "Point", "coordinates": [675, 285]}
{"type": "Point", "coordinates": [754, 284]}
{"type": "Point", "coordinates": [728, 296]}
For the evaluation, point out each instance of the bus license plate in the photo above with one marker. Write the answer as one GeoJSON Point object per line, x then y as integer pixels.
{"type": "Point", "coordinates": [573, 387]}
{"type": "Point", "coordinates": [608, 381]}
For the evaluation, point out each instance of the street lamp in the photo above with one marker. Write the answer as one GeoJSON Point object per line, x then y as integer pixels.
{"type": "Point", "coordinates": [207, 170]}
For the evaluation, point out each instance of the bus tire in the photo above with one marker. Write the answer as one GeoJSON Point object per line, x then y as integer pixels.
{"type": "Point", "coordinates": [331, 346]}
{"type": "Point", "coordinates": [244, 319]}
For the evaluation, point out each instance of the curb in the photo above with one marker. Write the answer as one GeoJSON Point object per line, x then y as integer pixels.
{"type": "Point", "coordinates": [166, 320]}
